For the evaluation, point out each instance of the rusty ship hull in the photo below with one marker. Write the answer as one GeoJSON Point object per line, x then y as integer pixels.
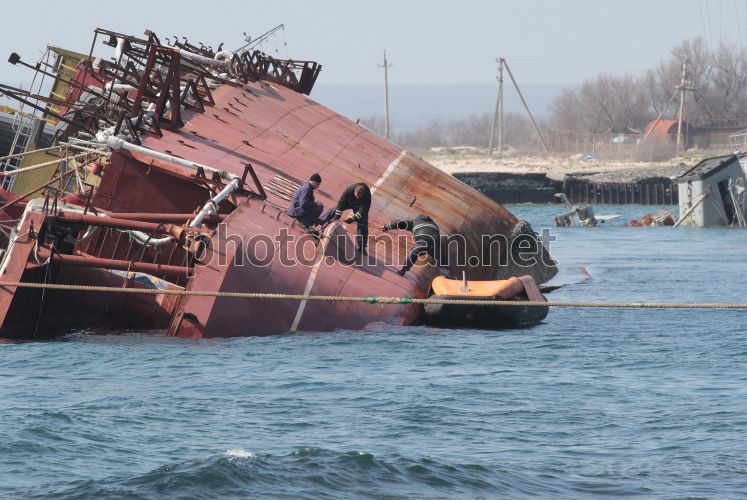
{"type": "Point", "coordinates": [266, 133]}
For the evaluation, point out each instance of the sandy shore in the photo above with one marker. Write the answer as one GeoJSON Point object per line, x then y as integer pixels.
{"type": "Point", "coordinates": [557, 167]}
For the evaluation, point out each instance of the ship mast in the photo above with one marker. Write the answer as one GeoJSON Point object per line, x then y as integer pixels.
{"type": "Point", "coordinates": [253, 42]}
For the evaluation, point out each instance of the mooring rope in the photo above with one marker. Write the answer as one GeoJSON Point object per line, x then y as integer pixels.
{"type": "Point", "coordinates": [372, 299]}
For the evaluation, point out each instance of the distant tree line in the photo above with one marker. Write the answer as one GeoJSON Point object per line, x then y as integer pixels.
{"type": "Point", "coordinates": [473, 131]}
{"type": "Point", "coordinates": [611, 103]}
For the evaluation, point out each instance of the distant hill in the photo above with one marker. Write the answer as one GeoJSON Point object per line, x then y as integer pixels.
{"type": "Point", "coordinates": [412, 106]}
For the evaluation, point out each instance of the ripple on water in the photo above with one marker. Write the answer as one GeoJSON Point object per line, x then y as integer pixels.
{"type": "Point", "coordinates": [588, 403]}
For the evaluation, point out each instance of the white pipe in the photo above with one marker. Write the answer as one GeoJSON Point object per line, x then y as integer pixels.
{"type": "Point", "coordinates": [145, 239]}
{"type": "Point", "coordinates": [81, 148]}
{"type": "Point", "coordinates": [138, 236]}
{"type": "Point", "coordinates": [89, 232]}
{"type": "Point", "coordinates": [119, 143]}
{"type": "Point", "coordinates": [119, 86]}
{"type": "Point", "coordinates": [119, 49]}
{"type": "Point", "coordinates": [224, 55]}
{"type": "Point", "coordinates": [211, 207]}
{"type": "Point", "coordinates": [213, 63]}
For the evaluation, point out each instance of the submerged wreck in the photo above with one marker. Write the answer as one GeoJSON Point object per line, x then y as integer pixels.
{"type": "Point", "coordinates": [172, 168]}
{"type": "Point", "coordinates": [713, 193]}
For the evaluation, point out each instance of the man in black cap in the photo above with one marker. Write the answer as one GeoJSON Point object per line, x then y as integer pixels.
{"type": "Point", "coordinates": [427, 238]}
{"type": "Point", "coordinates": [303, 207]}
{"type": "Point", "coordinates": [356, 197]}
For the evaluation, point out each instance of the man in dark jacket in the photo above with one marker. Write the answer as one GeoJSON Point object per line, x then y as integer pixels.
{"type": "Point", "coordinates": [358, 199]}
{"type": "Point", "coordinates": [303, 207]}
{"type": "Point", "coordinates": [427, 238]}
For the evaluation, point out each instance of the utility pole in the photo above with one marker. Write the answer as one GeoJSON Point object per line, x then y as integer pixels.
{"type": "Point", "coordinates": [498, 115]}
{"type": "Point", "coordinates": [526, 107]}
{"type": "Point", "coordinates": [684, 85]}
{"type": "Point", "coordinates": [386, 66]}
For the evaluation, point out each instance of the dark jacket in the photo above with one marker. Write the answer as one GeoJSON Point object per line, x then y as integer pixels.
{"type": "Point", "coordinates": [360, 207]}
{"type": "Point", "coordinates": [422, 227]}
{"type": "Point", "coordinates": [302, 201]}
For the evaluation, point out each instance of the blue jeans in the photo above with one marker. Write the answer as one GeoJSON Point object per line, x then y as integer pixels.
{"type": "Point", "coordinates": [309, 217]}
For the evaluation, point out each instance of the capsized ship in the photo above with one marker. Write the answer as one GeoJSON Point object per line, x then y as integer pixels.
{"type": "Point", "coordinates": [174, 169]}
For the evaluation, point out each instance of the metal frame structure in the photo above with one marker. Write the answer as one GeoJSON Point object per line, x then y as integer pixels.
{"type": "Point", "coordinates": [149, 83]}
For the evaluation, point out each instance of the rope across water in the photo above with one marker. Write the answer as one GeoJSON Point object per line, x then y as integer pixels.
{"type": "Point", "coordinates": [375, 299]}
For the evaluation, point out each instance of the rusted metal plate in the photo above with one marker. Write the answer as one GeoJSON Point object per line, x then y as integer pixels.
{"type": "Point", "coordinates": [285, 135]}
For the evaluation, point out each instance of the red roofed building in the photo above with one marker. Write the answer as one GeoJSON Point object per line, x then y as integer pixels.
{"type": "Point", "coordinates": [668, 129]}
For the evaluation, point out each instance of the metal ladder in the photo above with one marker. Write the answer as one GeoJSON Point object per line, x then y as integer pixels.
{"type": "Point", "coordinates": [24, 126]}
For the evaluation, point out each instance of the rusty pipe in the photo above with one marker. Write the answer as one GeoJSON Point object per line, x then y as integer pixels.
{"type": "Point", "coordinates": [134, 225]}
{"type": "Point", "coordinates": [164, 218]}
{"type": "Point", "coordinates": [85, 260]}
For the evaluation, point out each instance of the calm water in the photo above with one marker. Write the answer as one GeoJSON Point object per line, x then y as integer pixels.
{"type": "Point", "coordinates": [592, 402]}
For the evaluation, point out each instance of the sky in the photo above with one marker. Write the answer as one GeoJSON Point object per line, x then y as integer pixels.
{"type": "Point", "coordinates": [427, 41]}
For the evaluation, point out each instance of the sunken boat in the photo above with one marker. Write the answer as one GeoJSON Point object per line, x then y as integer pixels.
{"type": "Point", "coordinates": [171, 169]}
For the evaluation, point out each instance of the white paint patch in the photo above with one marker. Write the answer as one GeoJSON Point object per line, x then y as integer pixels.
{"type": "Point", "coordinates": [312, 276]}
{"type": "Point", "coordinates": [388, 171]}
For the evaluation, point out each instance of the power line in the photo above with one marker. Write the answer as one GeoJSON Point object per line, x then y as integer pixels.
{"type": "Point", "coordinates": [739, 23]}
{"type": "Point", "coordinates": [583, 61]}
{"type": "Point", "coordinates": [710, 24]}
{"type": "Point", "coordinates": [706, 35]}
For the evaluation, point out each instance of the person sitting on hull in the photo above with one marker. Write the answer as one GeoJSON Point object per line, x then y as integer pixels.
{"type": "Point", "coordinates": [357, 198]}
{"type": "Point", "coordinates": [427, 238]}
{"type": "Point", "coordinates": [303, 206]}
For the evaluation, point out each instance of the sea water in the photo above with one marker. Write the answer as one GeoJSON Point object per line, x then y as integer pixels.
{"type": "Point", "coordinates": [590, 402]}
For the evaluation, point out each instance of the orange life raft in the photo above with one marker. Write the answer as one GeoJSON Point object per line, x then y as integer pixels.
{"type": "Point", "coordinates": [516, 290]}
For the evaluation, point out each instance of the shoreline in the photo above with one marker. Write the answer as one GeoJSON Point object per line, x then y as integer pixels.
{"type": "Point", "coordinates": [560, 167]}
{"type": "Point", "coordinates": [539, 178]}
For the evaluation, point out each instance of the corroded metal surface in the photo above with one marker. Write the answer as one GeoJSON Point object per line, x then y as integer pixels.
{"type": "Point", "coordinates": [284, 133]}
{"type": "Point", "coordinates": [257, 125]}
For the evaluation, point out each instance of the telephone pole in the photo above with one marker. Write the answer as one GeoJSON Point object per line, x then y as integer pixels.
{"type": "Point", "coordinates": [683, 86]}
{"type": "Point", "coordinates": [386, 66]}
{"type": "Point", "coordinates": [498, 115]}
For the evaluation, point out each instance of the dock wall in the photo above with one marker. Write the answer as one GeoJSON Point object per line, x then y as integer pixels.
{"type": "Point", "coordinates": [538, 188]}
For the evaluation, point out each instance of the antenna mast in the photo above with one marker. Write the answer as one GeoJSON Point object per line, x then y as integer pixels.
{"type": "Point", "coordinates": [261, 38]}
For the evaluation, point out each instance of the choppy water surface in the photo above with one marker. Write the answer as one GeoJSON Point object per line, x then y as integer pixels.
{"type": "Point", "coordinates": [592, 402]}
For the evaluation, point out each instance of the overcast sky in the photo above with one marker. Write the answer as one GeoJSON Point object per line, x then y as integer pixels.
{"type": "Point", "coordinates": [428, 41]}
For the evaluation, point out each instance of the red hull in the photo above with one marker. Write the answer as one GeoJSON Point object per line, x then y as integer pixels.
{"type": "Point", "coordinates": [285, 136]}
